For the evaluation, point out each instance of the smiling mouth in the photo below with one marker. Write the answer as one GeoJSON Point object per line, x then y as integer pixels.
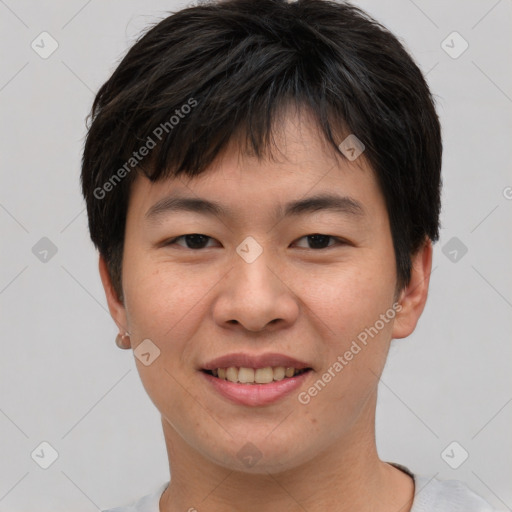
{"type": "Point", "coordinates": [243, 375]}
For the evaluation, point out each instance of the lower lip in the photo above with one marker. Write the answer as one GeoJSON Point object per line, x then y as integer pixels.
{"type": "Point", "coordinates": [256, 394]}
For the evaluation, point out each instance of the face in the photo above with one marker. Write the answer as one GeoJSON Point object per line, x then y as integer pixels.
{"type": "Point", "coordinates": [313, 287]}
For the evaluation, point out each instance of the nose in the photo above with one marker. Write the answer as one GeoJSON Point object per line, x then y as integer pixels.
{"type": "Point", "coordinates": [256, 296]}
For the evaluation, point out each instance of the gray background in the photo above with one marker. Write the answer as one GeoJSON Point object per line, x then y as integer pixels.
{"type": "Point", "coordinates": [64, 381]}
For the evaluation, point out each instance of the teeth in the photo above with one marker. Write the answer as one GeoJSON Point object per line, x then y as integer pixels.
{"type": "Point", "coordinates": [264, 375]}
{"type": "Point", "coordinates": [279, 373]}
{"type": "Point", "coordinates": [232, 374]}
{"type": "Point", "coordinates": [255, 375]}
{"type": "Point", "coordinates": [245, 375]}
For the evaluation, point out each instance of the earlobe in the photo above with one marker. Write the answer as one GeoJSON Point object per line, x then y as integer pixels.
{"type": "Point", "coordinates": [414, 296]}
{"type": "Point", "coordinates": [115, 306]}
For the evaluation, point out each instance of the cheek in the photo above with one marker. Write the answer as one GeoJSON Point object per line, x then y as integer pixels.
{"type": "Point", "coordinates": [161, 298]}
{"type": "Point", "coordinates": [350, 298]}
{"type": "Point", "coordinates": [350, 305]}
{"type": "Point", "coordinates": [164, 306]}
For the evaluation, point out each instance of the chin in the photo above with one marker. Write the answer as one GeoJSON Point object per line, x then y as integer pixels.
{"type": "Point", "coordinates": [260, 457]}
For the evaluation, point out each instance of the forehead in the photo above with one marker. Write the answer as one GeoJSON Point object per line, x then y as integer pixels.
{"type": "Point", "coordinates": [299, 163]}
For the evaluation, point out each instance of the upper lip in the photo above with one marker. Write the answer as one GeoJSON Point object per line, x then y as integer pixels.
{"type": "Point", "coordinates": [255, 361]}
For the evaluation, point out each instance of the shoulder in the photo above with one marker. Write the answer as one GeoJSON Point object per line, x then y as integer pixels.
{"type": "Point", "coordinates": [433, 495]}
{"type": "Point", "coordinates": [148, 503]}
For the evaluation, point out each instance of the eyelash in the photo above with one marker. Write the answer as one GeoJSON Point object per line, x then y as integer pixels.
{"type": "Point", "coordinates": [339, 241]}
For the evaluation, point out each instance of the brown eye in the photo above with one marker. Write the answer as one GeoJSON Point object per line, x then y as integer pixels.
{"type": "Point", "coordinates": [192, 241]}
{"type": "Point", "coordinates": [319, 241]}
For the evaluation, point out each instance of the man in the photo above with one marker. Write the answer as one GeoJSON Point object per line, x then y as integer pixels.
{"type": "Point", "coordinates": [262, 182]}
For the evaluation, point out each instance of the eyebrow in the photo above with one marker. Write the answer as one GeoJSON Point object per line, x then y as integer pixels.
{"type": "Point", "coordinates": [322, 202]}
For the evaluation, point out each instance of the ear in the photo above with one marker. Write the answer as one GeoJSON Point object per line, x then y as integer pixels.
{"type": "Point", "coordinates": [414, 296]}
{"type": "Point", "coordinates": [115, 306]}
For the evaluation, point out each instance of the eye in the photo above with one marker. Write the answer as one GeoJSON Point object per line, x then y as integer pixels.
{"type": "Point", "coordinates": [197, 241]}
{"type": "Point", "coordinates": [319, 241]}
{"type": "Point", "coordinates": [193, 241]}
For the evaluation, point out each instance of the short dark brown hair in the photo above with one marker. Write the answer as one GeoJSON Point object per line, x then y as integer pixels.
{"type": "Point", "coordinates": [225, 69]}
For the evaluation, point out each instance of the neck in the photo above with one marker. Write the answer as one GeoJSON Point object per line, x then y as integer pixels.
{"type": "Point", "coordinates": [347, 476]}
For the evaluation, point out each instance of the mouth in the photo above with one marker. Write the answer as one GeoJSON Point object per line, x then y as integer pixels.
{"type": "Point", "coordinates": [251, 376]}
{"type": "Point", "coordinates": [243, 386]}
{"type": "Point", "coordinates": [255, 379]}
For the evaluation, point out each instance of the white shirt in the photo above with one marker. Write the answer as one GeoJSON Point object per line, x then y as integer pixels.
{"type": "Point", "coordinates": [430, 495]}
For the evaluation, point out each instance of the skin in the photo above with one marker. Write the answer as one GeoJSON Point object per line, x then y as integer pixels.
{"type": "Point", "coordinates": [197, 304]}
